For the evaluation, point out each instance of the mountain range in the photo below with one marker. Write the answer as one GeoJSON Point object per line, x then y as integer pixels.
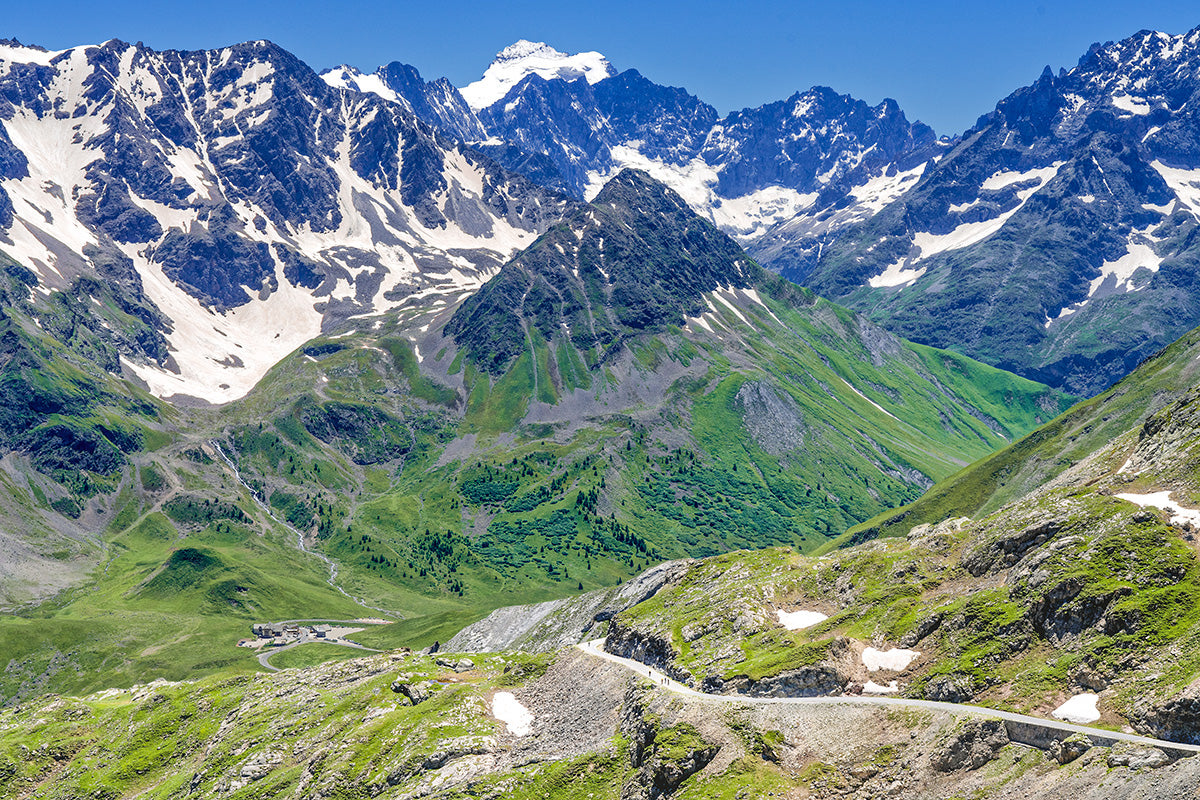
{"type": "Point", "coordinates": [780, 403]}
{"type": "Point", "coordinates": [1027, 241]}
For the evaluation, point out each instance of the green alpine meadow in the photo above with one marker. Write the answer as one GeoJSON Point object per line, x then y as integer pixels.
{"type": "Point", "coordinates": [555, 434]}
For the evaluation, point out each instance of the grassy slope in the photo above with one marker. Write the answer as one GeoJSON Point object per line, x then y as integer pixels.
{"type": "Point", "coordinates": [1062, 590]}
{"type": "Point", "coordinates": [529, 511]}
{"type": "Point", "coordinates": [1117, 592]}
{"type": "Point", "coordinates": [639, 482]}
{"type": "Point", "coordinates": [165, 606]}
{"type": "Point", "coordinates": [1023, 466]}
{"type": "Point", "coordinates": [150, 742]}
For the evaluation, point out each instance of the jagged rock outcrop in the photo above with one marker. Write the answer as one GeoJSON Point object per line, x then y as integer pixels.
{"type": "Point", "coordinates": [664, 757]}
{"type": "Point", "coordinates": [650, 649]}
{"type": "Point", "coordinates": [1071, 748]}
{"type": "Point", "coordinates": [1137, 757]}
{"type": "Point", "coordinates": [973, 745]}
{"type": "Point", "coordinates": [1176, 719]}
{"type": "Point", "coordinates": [549, 626]}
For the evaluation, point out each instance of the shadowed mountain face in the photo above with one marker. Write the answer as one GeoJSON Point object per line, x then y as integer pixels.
{"type": "Point", "coordinates": [1057, 238]}
{"type": "Point", "coordinates": [636, 259]}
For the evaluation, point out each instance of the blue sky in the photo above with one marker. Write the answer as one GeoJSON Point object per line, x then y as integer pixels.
{"type": "Point", "coordinates": [945, 62]}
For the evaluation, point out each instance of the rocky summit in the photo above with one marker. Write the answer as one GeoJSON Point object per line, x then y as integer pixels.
{"type": "Point", "coordinates": [553, 434]}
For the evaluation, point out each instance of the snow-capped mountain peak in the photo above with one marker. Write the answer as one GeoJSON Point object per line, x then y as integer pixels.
{"type": "Point", "coordinates": [346, 77]}
{"type": "Point", "coordinates": [523, 58]}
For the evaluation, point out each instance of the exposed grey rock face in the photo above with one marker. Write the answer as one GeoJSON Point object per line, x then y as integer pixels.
{"type": "Point", "coordinates": [663, 759]}
{"type": "Point", "coordinates": [974, 745]}
{"type": "Point", "coordinates": [1135, 757]}
{"type": "Point", "coordinates": [1007, 550]}
{"type": "Point", "coordinates": [816, 681]}
{"type": "Point", "coordinates": [773, 420]}
{"type": "Point", "coordinates": [550, 626]}
{"type": "Point", "coordinates": [1177, 719]}
{"type": "Point", "coordinates": [416, 693]}
{"type": "Point", "coordinates": [650, 649]}
{"type": "Point", "coordinates": [949, 688]}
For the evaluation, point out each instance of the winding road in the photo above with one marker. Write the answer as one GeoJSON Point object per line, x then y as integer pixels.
{"type": "Point", "coordinates": [265, 658]}
{"type": "Point", "coordinates": [595, 648]}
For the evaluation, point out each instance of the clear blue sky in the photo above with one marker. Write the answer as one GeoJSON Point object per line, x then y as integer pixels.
{"type": "Point", "coordinates": [946, 62]}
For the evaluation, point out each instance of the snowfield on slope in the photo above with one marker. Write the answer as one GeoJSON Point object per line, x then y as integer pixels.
{"type": "Point", "coordinates": [516, 717]}
{"type": "Point", "coordinates": [894, 660]}
{"type": "Point", "coordinates": [799, 620]}
{"type": "Point", "coordinates": [1080, 709]}
{"type": "Point", "coordinates": [1162, 500]}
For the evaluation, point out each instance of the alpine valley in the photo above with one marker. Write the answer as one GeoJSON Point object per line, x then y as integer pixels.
{"type": "Point", "coordinates": [434, 387]}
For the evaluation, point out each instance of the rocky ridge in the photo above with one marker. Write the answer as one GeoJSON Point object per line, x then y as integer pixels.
{"type": "Point", "coordinates": [252, 202]}
{"type": "Point", "coordinates": [1054, 238]}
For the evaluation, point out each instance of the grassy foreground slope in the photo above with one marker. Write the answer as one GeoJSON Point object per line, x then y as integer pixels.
{"type": "Point", "coordinates": [1088, 584]}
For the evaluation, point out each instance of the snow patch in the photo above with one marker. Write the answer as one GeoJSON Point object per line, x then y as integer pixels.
{"type": "Point", "coordinates": [896, 274]}
{"type": "Point", "coordinates": [970, 233]}
{"type": "Point", "coordinates": [753, 295]}
{"type": "Point", "coordinates": [695, 181]}
{"type": "Point", "coordinates": [1080, 709]}
{"type": "Point", "coordinates": [350, 78]}
{"type": "Point", "coordinates": [752, 214]}
{"type": "Point", "coordinates": [1179, 514]}
{"type": "Point", "coordinates": [1184, 182]}
{"type": "Point", "coordinates": [871, 687]}
{"type": "Point", "coordinates": [222, 356]}
{"type": "Point", "coordinates": [869, 400]}
{"type": "Point", "coordinates": [879, 192]}
{"type": "Point", "coordinates": [1115, 275]}
{"type": "Point", "coordinates": [999, 180]}
{"type": "Point", "coordinates": [508, 709]}
{"type": "Point", "coordinates": [18, 54]}
{"type": "Point", "coordinates": [894, 660]}
{"type": "Point", "coordinates": [1133, 105]}
{"type": "Point", "coordinates": [717, 295]}
{"type": "Point", "coordinates": [904, 271]}
{"type": "Point", "coordinates": [799, 620]}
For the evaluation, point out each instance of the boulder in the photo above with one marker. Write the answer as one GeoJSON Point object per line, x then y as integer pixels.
{"type": "Point", "coordinates": [1071, 748]}
{"type": "Point", "coordinates": [1137, 756]}
{"type": "Point", "coordinates": [261, 765]}
{"type": "Point", "coordinates": [416, 693]}
{"type": "Point", "coordinates": [975, 744]}
{"type": "Point", "coordinates": [953, 688]}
